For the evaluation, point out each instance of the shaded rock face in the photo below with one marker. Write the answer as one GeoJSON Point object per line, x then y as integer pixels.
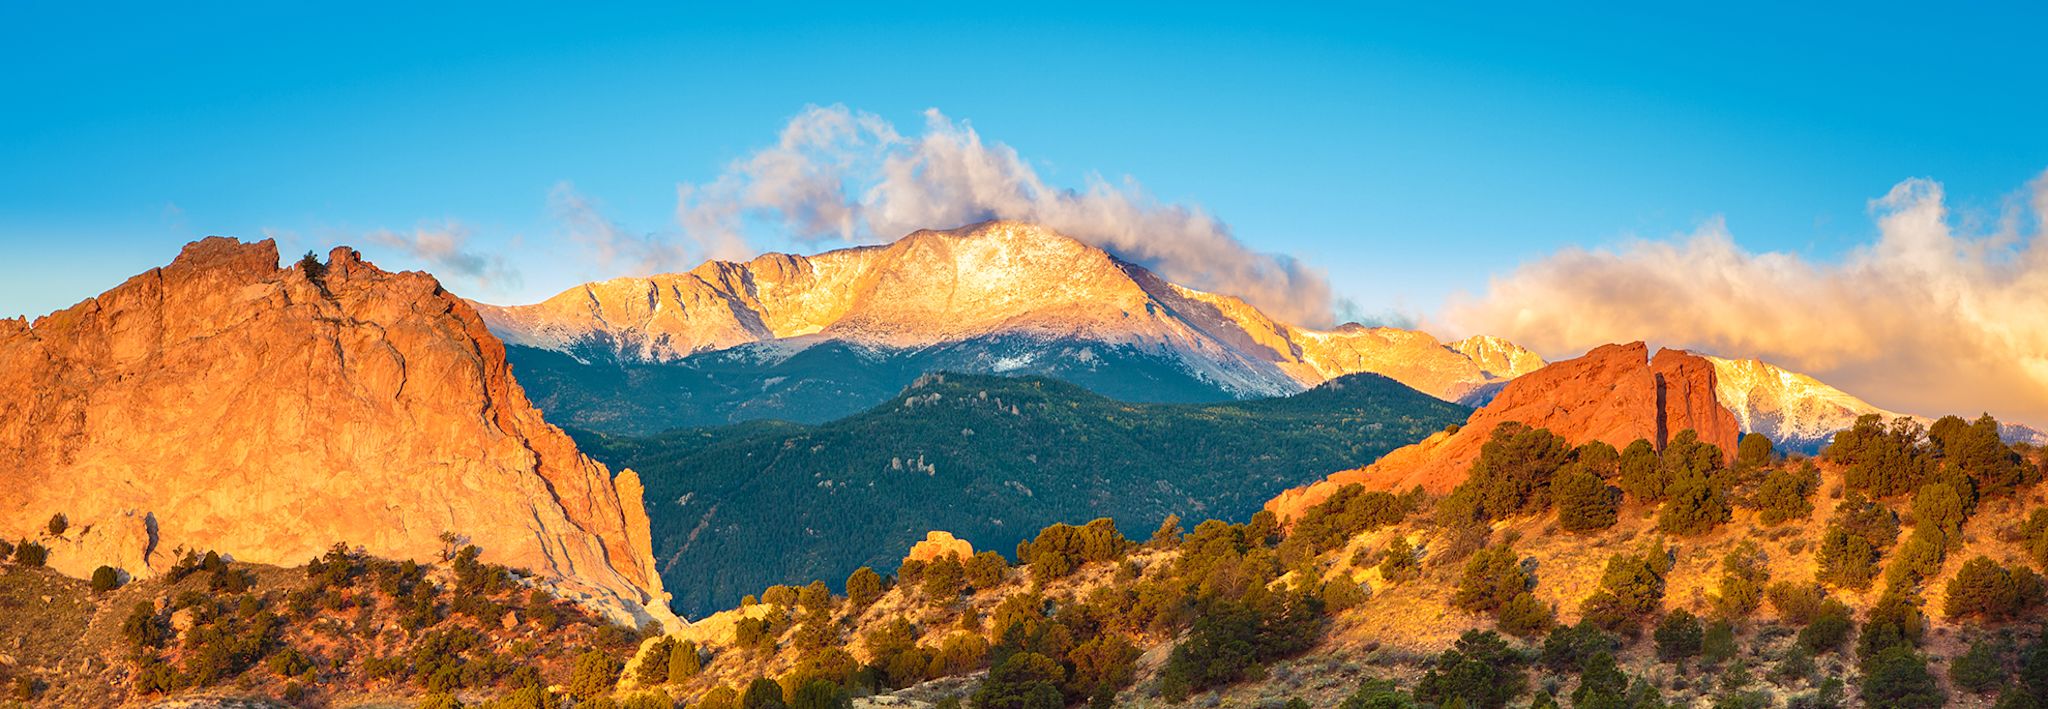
{"type": "Point", "coordinates": [1615, 393]}
{"type": "Point", "coordinates": [223, 403]}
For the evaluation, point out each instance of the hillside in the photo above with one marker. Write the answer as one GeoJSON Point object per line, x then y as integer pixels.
{"type": "Point", "coordinates": [1799, 593]}
{"type": "Point", "coordinates": [346, 629]}
{"type": "Point", "coordinates": [812, 338]}
{"type": "Point", "coordinates": [992, 459]}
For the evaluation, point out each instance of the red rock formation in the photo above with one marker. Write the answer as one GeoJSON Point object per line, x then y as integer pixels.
{"type": "Point", "coordinates": [937, 544]}
{"type": "Point", "coordinates": [1615, 393]}
{"type": "Point", "coordinates": [224, 403]}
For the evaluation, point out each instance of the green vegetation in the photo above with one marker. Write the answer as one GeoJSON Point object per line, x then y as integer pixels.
{"type": "Point", "coordinates": [1785, 494]}
{"type": "Point", "coordinates": [1631, 589]}
{"type": "Point", "coordinates": [1984, 589]}
{"type": "Point", "coordinates": [1481, 670]}
{"type": "Point", "coordinates": [1854, 542]}
{"type": "Point", "coordinates": [1585, 502]}
{"type": "Point", "coordinates": [960, 453]}
{"type": "Point", "coordinates": [1679, 636]}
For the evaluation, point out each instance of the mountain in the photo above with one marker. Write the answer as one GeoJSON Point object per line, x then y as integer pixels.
{"type": "Point", "coordinates": [223, 403]}
{"type": "Point", "coordinates": [991, 459]}
{"type": "Point", "coordinates": [1801, 414]}
{"type": "Point", "coordinates": [1614, 393]}
{"type": "Point", "coordinates": [814, 338]}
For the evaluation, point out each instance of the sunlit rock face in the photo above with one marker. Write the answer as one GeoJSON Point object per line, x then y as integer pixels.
{"type": "Point", "coordinates": [224, 403]}
{"type": "Point", "coordinates": [1801, 414]}
{"type": "Point", "coordinates": [1615, 393]}
{"type": "Point", "coordinates": [1021, 292]}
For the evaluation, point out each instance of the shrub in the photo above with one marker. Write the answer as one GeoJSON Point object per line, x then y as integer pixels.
{"type": "Point", "coordinates": [1754, 451]}
{"type": "Point", "coordinates": [1585, 503]}
{"type": "Point", "coordinates": [779, 595]}
{"type": "Point", "coordinates": [1893, 621]}
{"type": "Point", "coordinates": [814, 597]}
{"type": "Point", "coordinates": [1061, 548]}
{"type": "Point", "coordinates": [1399, 563]}
{"type": "Point", "coordinates": [105, 579]}
{"type": "Point", "coordinates": [1601, 683]}
{"type": "Point", "coordinates": [1598, 458]}
{"type": "Point", "coordinates": [1785, 494]}
{"type": "Point", "coordinates": [1979, 670]}
{"type": "Point", "coordinates": [1026, 680]}
{"type": "Point", "coordinates": [1102, 665]}
{"type": "Point", "coordinates": [2034, 537]}
{"type": "Point", "coordinates": [1829, 628]}
{"type": "Point", "coordinates": [1514, 470]}
{"type": "Point", "coordinates": [762, 693]}
{"type": "Point", "coordinates": [1524, 616]}
{"type": "Point", "coordinates": [1696, 506]}
{"type": "Point", "coordinates": [27, 553]}
{"type": "Point", "coordinates": [1854, 542]}
{"type": "Point", "coordinates": [1377, 694]}
{"type": "Point", "coordinates": [1333, 522]}
{"type": "Point", "coordinates": [820, 694]}
{"type": "Point", "coordinates": [960, 653]}
{"type": "Point", "coordinates": [1678, 636]}
{"type": "Point", "coordinates": [1480, 670]}
{"type": "Point", "coordinates": [944, 579]}
{"type": "Point", "coordinates": [986, 570]}
{"type": "Point", "coordinates": [1641, 477]}
{"type": "Point", "coordinates": [1167, 536]}
{"type": "Point", "coordinates": [683, 662]}
{"type": "Point", "coordinates": [1983, 588]}
{"type": "Point", "coordinates": [1492, 577]}
{"type": "Point", "coordinates": [1230, 637]}
{"type": "Point", "coordinates": [863, 587]}
{"type": "Point", "coordinates": [1743, 575]}
{"type": "Point", "coordinates": [1899, 678]}
{"type": "Point", "coordinates": [1796, 603]}
{"type": "Point", "coordinates": [1917, 560]}
{"type": "Point", "coordinates": [1631, 588]}
{"type": "Point", "coordinates": [1883, 461]}
{"type": "Point", "coordinates": [58, 524]}
{"type": "Point", "coordinates": [1975, 451]}
{"type": "Point", "coordinates": [1718, 644]}
{"type": "Point", "coordinates": [1567, 648]}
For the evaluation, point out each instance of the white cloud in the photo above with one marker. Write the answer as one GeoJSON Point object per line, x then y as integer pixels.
{"type": "Point", "coordinates": [837, 175]}
{"type": "Point", "coordinates": [444, 251]}
{"type": "Point", "coordinates": [613, 248]}
{"type": "Point", "coordinates": [1927, 319]}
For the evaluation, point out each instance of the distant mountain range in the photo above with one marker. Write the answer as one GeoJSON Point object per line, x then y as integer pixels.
{"type": "Point", "coordinates": [813, 338]}
{"type": "Point", "coordinates": [991, 459]}
{"type": "Point", "coordinates": [1800, 413]}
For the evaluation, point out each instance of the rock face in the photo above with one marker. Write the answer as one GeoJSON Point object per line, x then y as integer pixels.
{"type": "Point", "coordinates": [1800, 413]}
{"type": "Point", "coordinates": [937, 544]}
{"type": "Point", "coordinates": [1615, 393]}
{"type": "Point", "coordinates": [1000, 283]}
{"type": "Point", "coordinates": [223, 403]}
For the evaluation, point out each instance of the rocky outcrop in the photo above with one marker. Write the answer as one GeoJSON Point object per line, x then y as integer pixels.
{"type": "Point", "coordinates": [1615, 393]}
{"type": "Point", "coordinates": [996, 279]}
{"type": "Point", "coordinates": [938, 544]}
{"type": "Point", "coordinates": [224, 403]}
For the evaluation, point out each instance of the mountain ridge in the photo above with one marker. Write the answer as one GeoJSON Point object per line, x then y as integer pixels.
{"type": "Point", "coordinates": [937, 288]}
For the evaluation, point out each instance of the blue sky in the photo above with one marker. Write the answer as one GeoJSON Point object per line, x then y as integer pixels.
{"type": "Point", "coordinates": [1408, 153]}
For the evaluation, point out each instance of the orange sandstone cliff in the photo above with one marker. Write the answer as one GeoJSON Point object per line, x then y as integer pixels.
{"type": "Point", "coordinates": [223, 403]}
{"type": "Point", "coordinates": [1615, 393]}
